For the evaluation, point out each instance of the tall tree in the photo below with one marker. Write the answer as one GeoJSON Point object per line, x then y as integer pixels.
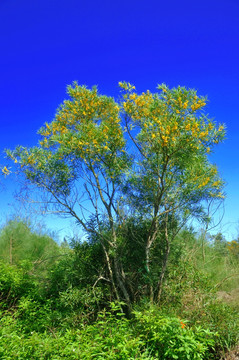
{"type": "Point", "coordinates": [100, 162]}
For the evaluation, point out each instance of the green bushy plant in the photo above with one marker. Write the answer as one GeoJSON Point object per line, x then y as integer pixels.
{"type": "Point", "coordinates": [194, 285]}
{"type": "Point", "coordinates": [33, 315]}
{"type": "Point", "coordinates": [14, 283]}
{"type": "Point", "coordinates": [77, 267]}
{"type": "Point", "coordinates": [110, 337]}
{"type": "Point", "coordinates": [171, 338]}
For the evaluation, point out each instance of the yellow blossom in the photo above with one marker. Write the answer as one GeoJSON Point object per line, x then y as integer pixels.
{"type": "Point", "coordinates": [5, 171]}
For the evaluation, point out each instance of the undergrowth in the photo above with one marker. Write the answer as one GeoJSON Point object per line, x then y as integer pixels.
{"type": "Point", "coordinates": [51, 314]}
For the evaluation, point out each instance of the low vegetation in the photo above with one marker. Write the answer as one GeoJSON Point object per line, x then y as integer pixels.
{"type": "Point", "coordinates": [62, 311]}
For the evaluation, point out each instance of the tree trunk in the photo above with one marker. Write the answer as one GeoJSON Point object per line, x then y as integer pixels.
{"type": "Point", "coordinates": [153, 231]}
{"type": "Point", "coordinates": [162, 275]}
{"type": "Point", "coordinates": [165, 262]}
{"type": "Point", "coordinates": [111, 273]}
{"type": "Point", "coordinates": [121, 283]}
{"type": "Point", "coordinates": [10, 250]}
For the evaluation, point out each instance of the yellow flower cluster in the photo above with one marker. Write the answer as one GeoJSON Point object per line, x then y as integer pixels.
{"type": "Point", "coordinates": [216, 183]}
{"type": "Point", "coordinates": [197, 105]}
{"type": "Point", "coordinates": [31, 160]}
{"type": "Point", "coordinates": [88, 124]}
{"type": "Point", "coordinates": [185, 105]}
{"type": "Point", "coordinates": [220, 195]}
{"type": "Point", "coordinates": [165, 140]}
{"type": "Point", "coordinates": [160, 126]}
{"type": "Point", "coordinates": [204, 182]}
{"type": "Point", "coordinates": [126, 86]}
{"type": "Point", "coordinates": [5, 171]}
{"type": "Point", "coordinates": [44, 143]}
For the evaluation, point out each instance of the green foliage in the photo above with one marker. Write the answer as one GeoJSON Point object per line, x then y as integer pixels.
{"type": "Point", "coordinates": [169, 338]}
{"type": "Point", "coordinates": [19, 243]}
{"type": "Point", "coordinates": [44, 328]}
{"type": "Point", "coordinates": [14, 283]}
{"type": "Point", "coordinates": [148, 336]}
{"type": "Point", "coordinates": [77, 267]}
{"type": "Point", "coordinates": [33, 315]}
{"type": "Point", "coordinates": [203, 287]}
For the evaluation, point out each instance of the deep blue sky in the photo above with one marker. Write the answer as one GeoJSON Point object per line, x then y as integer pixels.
{"type": "Point", "coordinates": [47, 44]}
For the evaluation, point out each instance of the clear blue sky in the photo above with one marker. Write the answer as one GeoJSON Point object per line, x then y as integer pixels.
{"type": "Point", "coordinates": [47, 44]}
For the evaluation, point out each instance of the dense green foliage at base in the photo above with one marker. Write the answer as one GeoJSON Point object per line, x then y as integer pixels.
{"type": "Point", "coordinates": [61, 311]}
{"type": "Point", "coordinates": [150, 335]}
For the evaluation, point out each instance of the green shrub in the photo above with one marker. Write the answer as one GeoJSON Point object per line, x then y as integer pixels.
{"type": "Point", "coordinates": [171, 338]}
{"type": "Point", "coordinates": [14, 283]}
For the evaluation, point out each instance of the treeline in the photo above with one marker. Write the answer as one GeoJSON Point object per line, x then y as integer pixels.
{"type": "Point", "coordinates": [57, 301]}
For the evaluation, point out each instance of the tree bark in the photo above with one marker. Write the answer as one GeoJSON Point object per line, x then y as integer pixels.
{"type": "Point", "coordinates": [165, 262]}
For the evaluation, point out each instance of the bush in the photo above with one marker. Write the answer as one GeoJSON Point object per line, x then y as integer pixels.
{"type": "Point", "coordinates": [171, 338]}
{"type": "Point", "coordinates": [14, 283]}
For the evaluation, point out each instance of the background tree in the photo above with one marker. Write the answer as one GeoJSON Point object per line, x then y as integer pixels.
{"type": "Point", "coordinates": [19, 243]}
{"type": "Point", "coordinates": [103, 162]}
{"type": "Point", "coordinates": [233, 247]}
